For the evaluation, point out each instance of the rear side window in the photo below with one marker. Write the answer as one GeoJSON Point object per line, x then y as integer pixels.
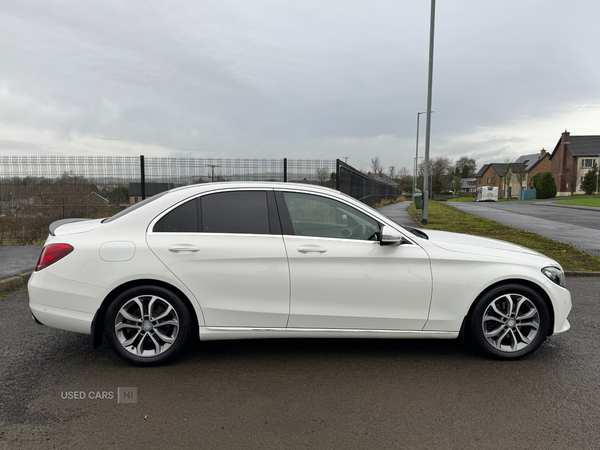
{"type": "Point", "coordinates": [235, 212]}
{"type": "Point", "coordinates": [183, 219]}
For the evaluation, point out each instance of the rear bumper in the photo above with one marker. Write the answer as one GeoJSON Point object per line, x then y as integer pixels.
{"type": "Point", "coordinates": [63, 319]}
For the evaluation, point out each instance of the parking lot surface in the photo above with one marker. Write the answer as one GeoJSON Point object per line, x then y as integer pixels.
{"type": "Point", "coordinates": [304, 394]}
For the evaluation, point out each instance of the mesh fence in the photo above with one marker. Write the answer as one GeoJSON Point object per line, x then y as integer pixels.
{"type": "Point", "coordinates": [363, 187]}
{"type": "Point", "coordinates": [37, 190]}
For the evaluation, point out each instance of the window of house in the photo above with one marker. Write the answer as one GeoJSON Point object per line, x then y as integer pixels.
{"type": "Point", "coordinates": [587, 162]}
{"type": "Point", "coordinates": [489, 181]}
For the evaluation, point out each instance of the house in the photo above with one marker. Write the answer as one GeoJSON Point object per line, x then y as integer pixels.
{"type": "Point", "coordinates": [492, 175]}
{"type": "Point", "coordinates": [571, 159]}
{"type": "Point", "coordinates": [467, 185]}
{"type": "Point", "coordinates": [382, 178]}
{"type": "Point", "coordinates": [534, 164]}
{"type": "Point", "coordinates": [135, 190]}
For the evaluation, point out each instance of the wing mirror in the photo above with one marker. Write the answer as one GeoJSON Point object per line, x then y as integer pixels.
{"type": "Point", "coordinates": [389, 236]}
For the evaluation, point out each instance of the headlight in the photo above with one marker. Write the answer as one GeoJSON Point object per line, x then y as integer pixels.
{"type": "Point", "coordinates": [555, 274]}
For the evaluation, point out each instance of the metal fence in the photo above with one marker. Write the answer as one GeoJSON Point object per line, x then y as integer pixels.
{"type": "Point", "coordinates": [362, 187]}
{"type": "Point", "coordinates": [36, 190]}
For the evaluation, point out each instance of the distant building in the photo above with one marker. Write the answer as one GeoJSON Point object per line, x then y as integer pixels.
{"type": "Point", "coordinates": [571, 159]}
{"type": "Point", "coordinates": [135, 190]}
{"type": "Point", "coordinates": [467, 185]}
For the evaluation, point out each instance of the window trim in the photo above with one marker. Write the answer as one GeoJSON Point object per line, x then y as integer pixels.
{"type": "Point", "coordinates": [286, 220]}
{"type": "Point", "coordinates": [272, 211]}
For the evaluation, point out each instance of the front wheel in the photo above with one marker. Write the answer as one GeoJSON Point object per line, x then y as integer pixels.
{"type": "Point", "coordinates": [510, 322]}
{"type": "Point", "coordinates": [147, 325]}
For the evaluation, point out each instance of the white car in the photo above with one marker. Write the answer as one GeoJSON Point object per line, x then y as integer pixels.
{"type": "Point", "coordinates": [259, 260]}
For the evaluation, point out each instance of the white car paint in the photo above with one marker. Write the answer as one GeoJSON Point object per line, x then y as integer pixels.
{"type": "Point", "coordinates": [252, 286]}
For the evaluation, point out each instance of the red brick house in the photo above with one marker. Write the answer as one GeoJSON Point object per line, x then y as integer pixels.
{"type": "Point", "coordinates": [571, 159]}
{"type": "Point", "coordinates": [535, 163]}
{"type": "Point", "coordinates": [491, 175]}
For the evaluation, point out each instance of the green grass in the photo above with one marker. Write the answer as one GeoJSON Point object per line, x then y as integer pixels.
{"type": "Point", "coordinates": [462, 199]}
{"type": "Point", "coordinates": [446, 218]}
{"type": "Point", "coordinates": [582, 202]}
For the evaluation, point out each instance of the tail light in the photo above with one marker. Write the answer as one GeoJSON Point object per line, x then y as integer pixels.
{"type": "Point", "coordinates": [51, 254]}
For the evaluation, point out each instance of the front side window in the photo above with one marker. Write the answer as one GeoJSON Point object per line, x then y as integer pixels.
{"type": "Point", "coordinates": [316, 216]}
{"type": "Point", "coordinates": [587, 162]}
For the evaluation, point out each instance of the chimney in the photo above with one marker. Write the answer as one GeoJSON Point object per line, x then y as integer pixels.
{"type": "Point", "coordinates": [566, 138]}
{"type": "Point", "coordinates": [543, 153]}
{"type": "Point", "coordinates": [369, 174]}
{"type": "Point", "coordinates": [379, 174]}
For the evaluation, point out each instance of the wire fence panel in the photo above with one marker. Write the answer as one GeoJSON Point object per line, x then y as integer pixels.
{"type": "Point", "coordinates": [362, 187]}
{"type": "Point", "coordinates": [37, 190]}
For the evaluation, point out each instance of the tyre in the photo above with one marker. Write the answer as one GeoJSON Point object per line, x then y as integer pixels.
{"type": "Point", "coordinates": [147, 325]}
{"type": "Point", "coordinates": [510, 322]}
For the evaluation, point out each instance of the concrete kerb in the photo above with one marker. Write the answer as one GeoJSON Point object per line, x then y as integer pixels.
{"type": "Point", "coordinates": [13, 283]}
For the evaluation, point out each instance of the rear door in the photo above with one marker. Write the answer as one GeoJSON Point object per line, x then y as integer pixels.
{"type": "Point", "coordinates": [227, 248]}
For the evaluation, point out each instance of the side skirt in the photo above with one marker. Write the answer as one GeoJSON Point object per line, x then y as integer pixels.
{"type": "Point", "coordinates": [222, 333]}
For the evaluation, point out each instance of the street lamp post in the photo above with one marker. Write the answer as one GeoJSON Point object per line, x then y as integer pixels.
{"type": "Point", "coordinates": [428, 131]}
{"type": "Point", "coordinates": [417, 152]}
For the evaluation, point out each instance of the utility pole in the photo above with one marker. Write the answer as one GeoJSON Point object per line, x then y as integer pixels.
{"type": "Point", "coordinates": [212, 166]}
{"type": "Point", "coordinates": [428, 132]}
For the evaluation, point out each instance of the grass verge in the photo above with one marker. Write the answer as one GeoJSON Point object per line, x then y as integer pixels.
{"type": "Point", "coordinates": [446, 218]}
{"type": "Point", "coordinates": [582, 202]}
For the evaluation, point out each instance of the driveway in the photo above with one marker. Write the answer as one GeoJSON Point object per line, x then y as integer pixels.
{"type": "Point", "coordinates": [576, 226]}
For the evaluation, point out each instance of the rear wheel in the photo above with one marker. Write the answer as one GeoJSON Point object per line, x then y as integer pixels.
{"type": "Point", "coordinates": [510, 322]}
{"type": "Point", "coordinates": [147, 325]}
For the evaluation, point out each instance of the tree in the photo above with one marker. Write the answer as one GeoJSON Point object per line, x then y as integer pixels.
{"type": "Point", "coordinates": [376, 165]}
{"type": "Point", "coordinates": [521, 176]}
{"type": "Point", "coordinates": [546, 186]}
{"type": "Point", "coordinates": [507, 177]}
{"type": "Point", "coordinates": [322, 175]}
{"type": "Point", "coordinates": [467, 167]}
{"type": "Point", "coordinates": [440, 168]}
{"type": "Point", "coordinates": [589, 180]}
{"type": "Point", "coordinates": [536, 179]}
{"type": "Point", "coordinates": [392, 171]}
{"type": "Point", "coordinates": [457, 181]}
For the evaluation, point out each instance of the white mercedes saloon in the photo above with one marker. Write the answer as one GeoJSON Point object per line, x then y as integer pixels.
{"type": "Point", "coordinates": [260, 260]}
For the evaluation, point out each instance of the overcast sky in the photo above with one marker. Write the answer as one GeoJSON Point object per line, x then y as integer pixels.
{"type": "Point", "coordinates": [297, 79]}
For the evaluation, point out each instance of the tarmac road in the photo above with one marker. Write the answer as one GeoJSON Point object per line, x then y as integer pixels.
{"type": "Point", "coordinates": [304, 394]}
{"type": "Point", "coordinates": [576, 226]}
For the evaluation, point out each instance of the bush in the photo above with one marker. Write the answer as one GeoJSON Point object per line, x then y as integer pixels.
{"type": "Point", "coordinates": [546, 186]}
{"type": "Point", "coordinates": [589, 180]}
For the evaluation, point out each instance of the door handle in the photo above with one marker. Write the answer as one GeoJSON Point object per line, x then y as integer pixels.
{"type": "Point", "coordinates": [311, 249]}
{"type": "Point", "coordinates": [182, 248]}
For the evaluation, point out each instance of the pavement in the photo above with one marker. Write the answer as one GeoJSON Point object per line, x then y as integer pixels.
{"type": "Point", "coordinates": [398, 212]}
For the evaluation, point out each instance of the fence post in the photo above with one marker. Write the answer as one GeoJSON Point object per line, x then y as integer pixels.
{"type": "Point", "coordinates": [285, 170]}
{"type": "Point", "coordinates": [337, 174]}
{"type": "Point", "coordinates": [142, 178]}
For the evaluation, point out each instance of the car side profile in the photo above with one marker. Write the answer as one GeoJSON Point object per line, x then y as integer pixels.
{"type": "Point", "coordinates": [257, 260]}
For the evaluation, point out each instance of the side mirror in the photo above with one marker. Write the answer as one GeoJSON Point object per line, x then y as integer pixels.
{"type": "Point", "coordinates": [390, 236]}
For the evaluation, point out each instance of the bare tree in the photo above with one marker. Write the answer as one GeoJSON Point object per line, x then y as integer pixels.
{"type": "Point", "coordinates": [507, 178]}
{"type": "Point", "coordinates": [441, 171]}
{"type": "Point", "coordinates": [521, 176]}
{"type": "Point", "coordinates": [322, 175]}
{"type": "Point", "coordinates": [392, 172]}
{"type": "Point", "coordinates": [376, 165]}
